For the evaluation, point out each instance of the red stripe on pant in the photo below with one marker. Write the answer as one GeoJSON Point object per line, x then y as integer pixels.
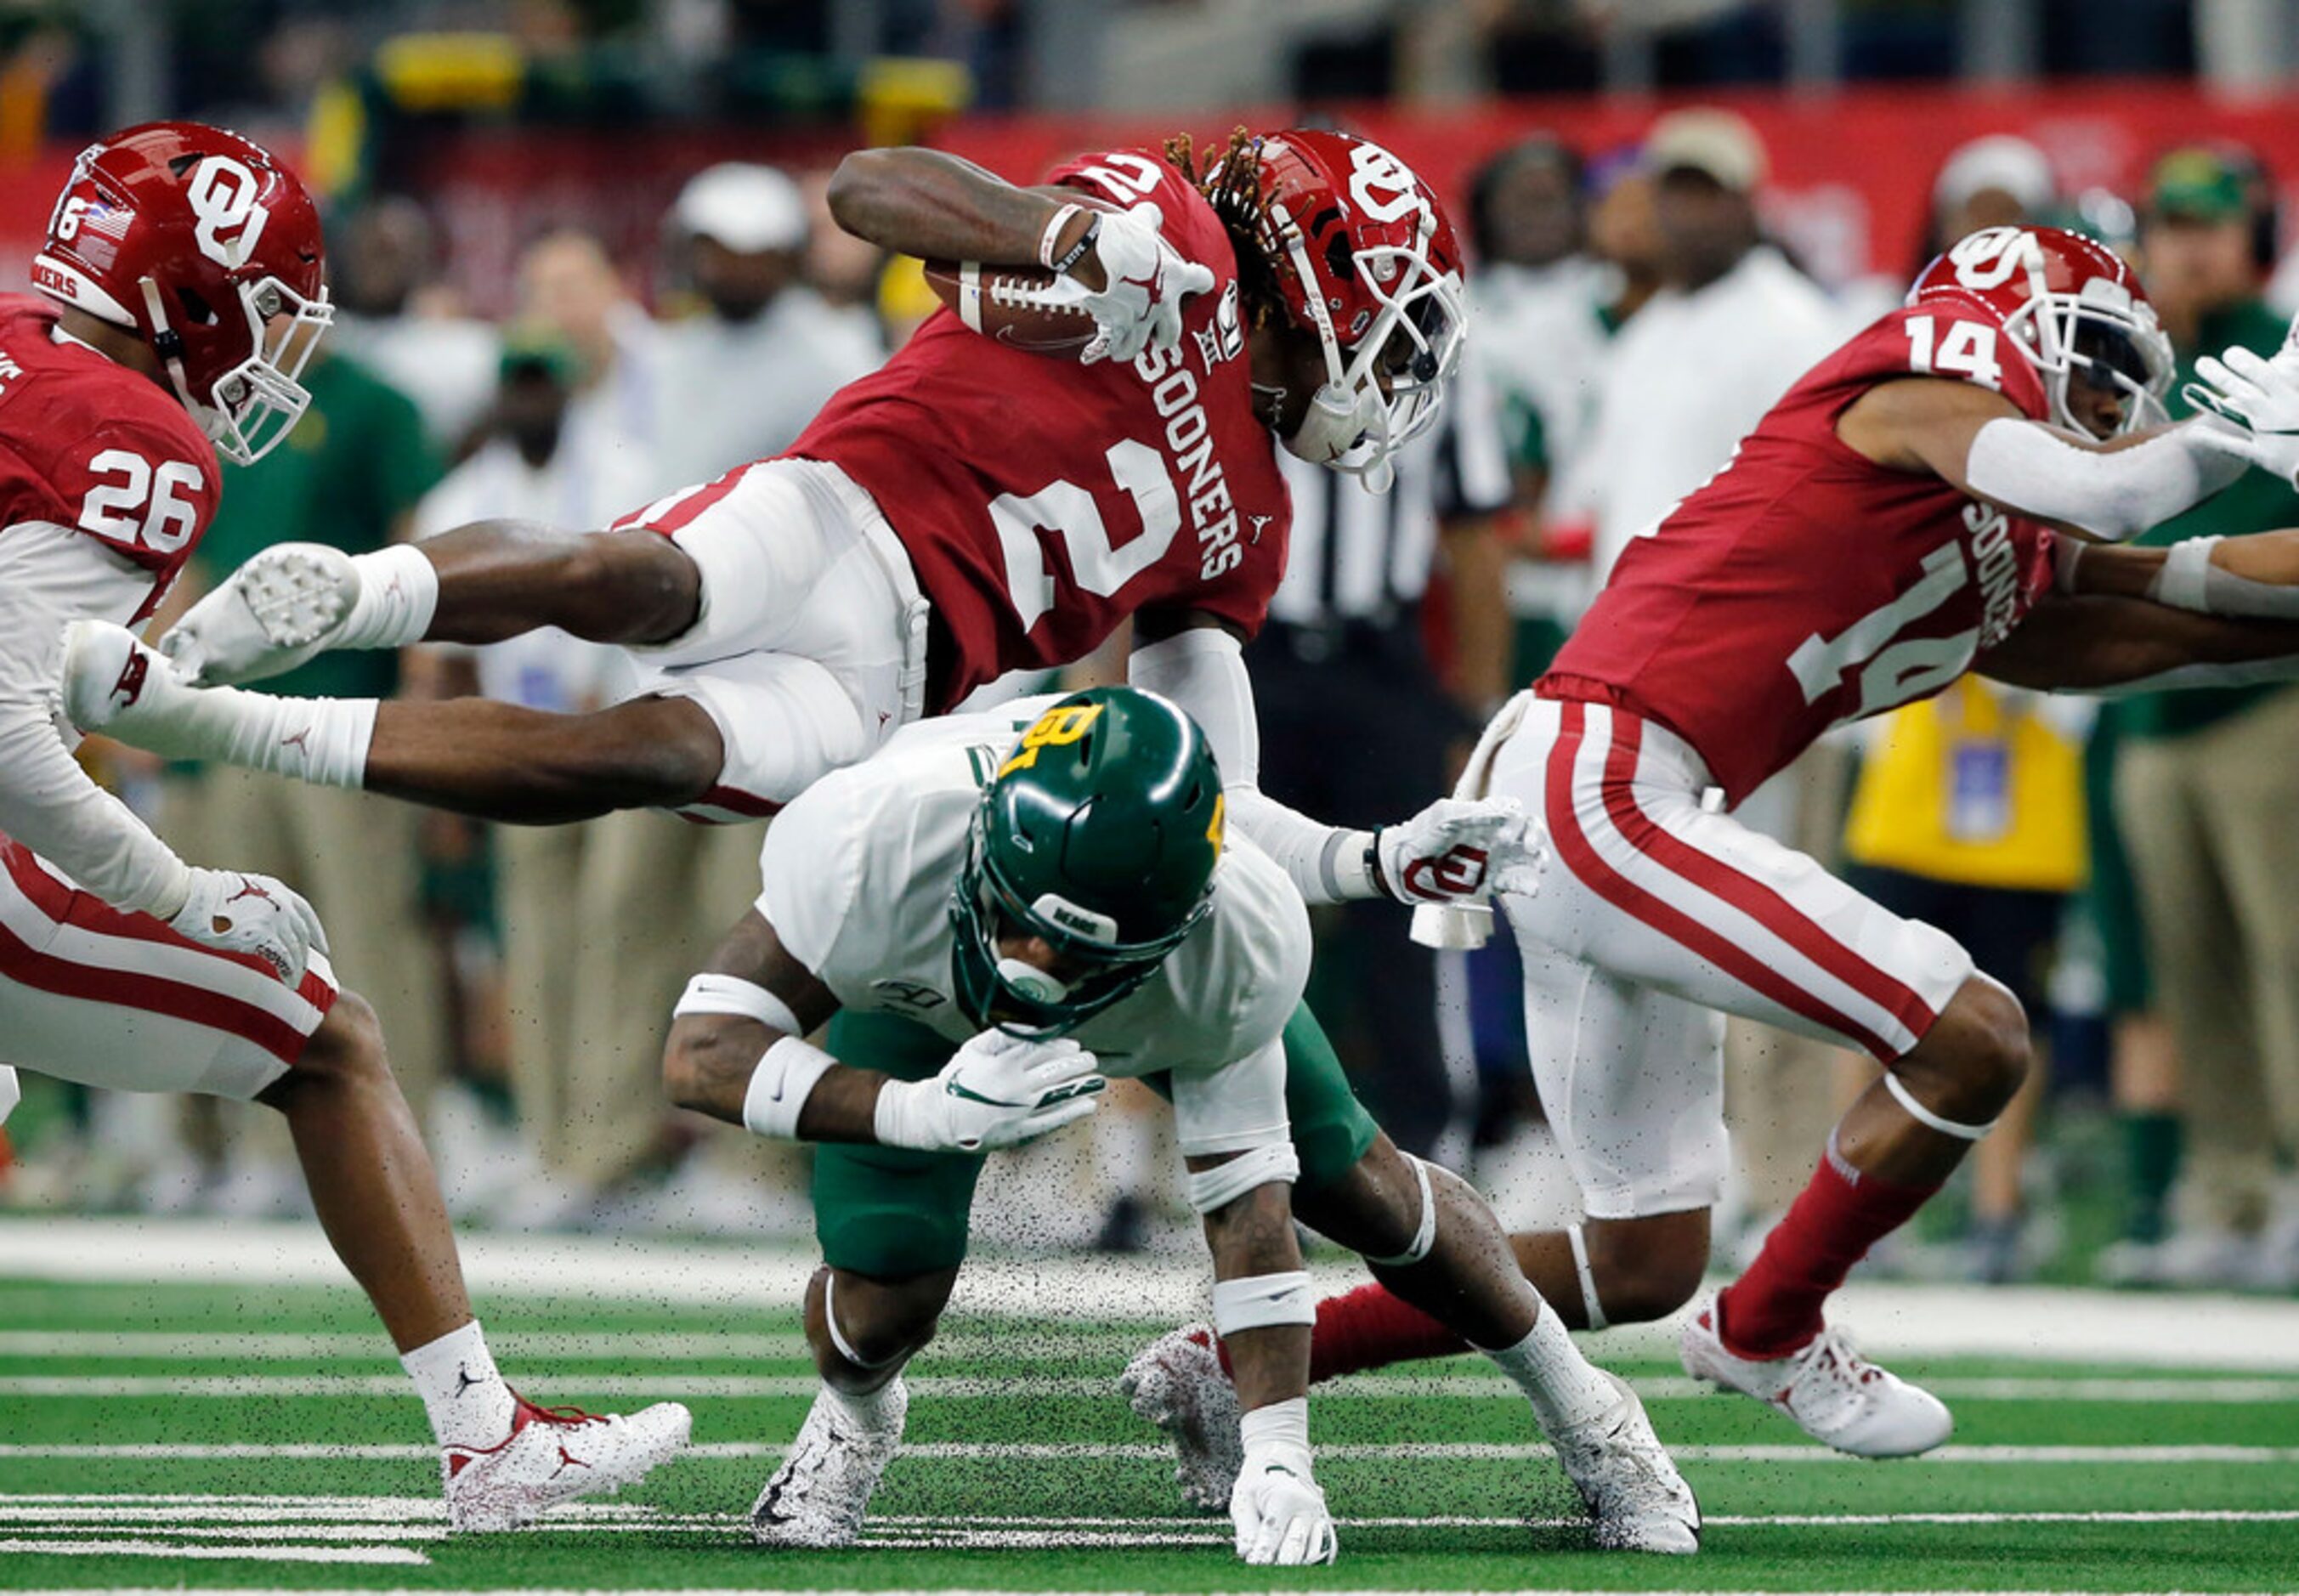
{"type": "Point", "coordinates": [1758, 900]}
{"type": "Point", "coordinates": [44, 972]}
{"type": "Point", "coordinates": [1580, 857]}
{"type": "Point", "coordinates": [702, 499]}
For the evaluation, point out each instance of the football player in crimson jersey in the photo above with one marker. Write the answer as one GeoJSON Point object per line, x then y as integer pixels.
{"type": "Point", "coordinates": [1926, 501]}
{"type": "Point", "coordinates": [183, 294]}
{"type": "Point", "coordinates": [970, 510]}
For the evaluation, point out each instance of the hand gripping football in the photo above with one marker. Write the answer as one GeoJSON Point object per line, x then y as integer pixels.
{"type": "Point", "coordinates": [1024, 307]}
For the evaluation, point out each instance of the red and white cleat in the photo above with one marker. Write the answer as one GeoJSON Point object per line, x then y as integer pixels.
{"type": "Point", "coordinates": [1828, 1388]}
{"type": "Point", "coordinates": [1177, 1382]}
{"type": "Point", "coordinates": [555, 1455]}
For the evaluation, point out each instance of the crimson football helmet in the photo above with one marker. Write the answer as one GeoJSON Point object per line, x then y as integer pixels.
{"type": "Point", "coordinates": [1365, 258]}
{"type": "Point", "coordinates": [2071, 306]}
{"type": "Point", "coordinates": [208, 250]}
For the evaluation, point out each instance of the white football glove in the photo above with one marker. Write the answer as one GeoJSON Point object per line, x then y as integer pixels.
{"type": "Point", "coordinates": [1146, 281]}
{"type": "Point", "coordinates": [11, 1093]}
{"type": "Point", "coordinates": [1000, 1090]}
{"type": "Point", "coordinates": [240, 912]}
{"type": "Point", "coordinates": [1459, 849]}
{"type": "Point", "coordinates": [1279, 1512]}
{"type": "Point", "coordinates": [2253, 408]}
{"type": "Point", "coordinates": [284, 605]}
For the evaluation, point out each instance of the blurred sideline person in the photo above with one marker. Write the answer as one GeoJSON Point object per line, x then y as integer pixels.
{"type": "Point", "coordinates": [742, 377]}
{"type": "Point", "coordinates": [121, 966]}
{"type": "Point", "coordinates": [445, 362]}
{"type": "Point", "coordinates": [2206, 785]}
{"type": "Point", "coordinates": [562, 1079]}
{"type": "Point", "coordinates": [1358, 725]}
{"type": "Point", "coordinates": [565, 281]}
{"type": "Point", "coordinates": [1732, 327]}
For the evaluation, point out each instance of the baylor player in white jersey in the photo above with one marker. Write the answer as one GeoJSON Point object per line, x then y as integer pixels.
{"type": "Point", "coordinates": [1007, 908]}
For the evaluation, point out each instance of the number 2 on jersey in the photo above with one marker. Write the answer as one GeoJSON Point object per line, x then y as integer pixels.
{"type": "Point", "coordinates": [1067, 510]}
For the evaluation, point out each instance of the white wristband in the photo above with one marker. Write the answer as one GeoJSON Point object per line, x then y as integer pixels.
{"type": "Point", "coordinates": [2183, 580]}
{"type": "Point", "coordinates": [785, 1075]}
{"type": "Point", "coordinates": [1050, 239]}
{"type": "Point", "coordinates": [1260, 1300]}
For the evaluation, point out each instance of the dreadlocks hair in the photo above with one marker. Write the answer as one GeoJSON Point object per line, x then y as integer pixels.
{"type": "Point", "coordinates": [1231, 183]}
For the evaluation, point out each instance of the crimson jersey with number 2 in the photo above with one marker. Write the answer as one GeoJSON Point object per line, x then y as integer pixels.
{"type": "Point", "coordinates": [1041, 501]}
{"type": "Point", "coordinates": [1804, 584]}
{"type": "Point", "coordinates": [88, 443]}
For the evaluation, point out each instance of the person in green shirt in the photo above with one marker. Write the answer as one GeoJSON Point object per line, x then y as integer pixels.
{"type": "Point", "coordinates": [2205, 784]}
{"type": "Point", "coordinates": [349, 475]}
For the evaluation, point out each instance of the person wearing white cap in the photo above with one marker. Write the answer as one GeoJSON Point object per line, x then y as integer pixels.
{"type": "Point", "coordinates": [745, 377]}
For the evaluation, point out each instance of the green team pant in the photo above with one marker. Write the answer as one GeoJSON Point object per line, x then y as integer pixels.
{"type": "Point", "coordinates": [892, 1211]}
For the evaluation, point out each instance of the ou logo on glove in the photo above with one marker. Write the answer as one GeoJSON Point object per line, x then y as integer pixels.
{"type": "Point", "coordinates": [222, 195]}
{"type": "Point", "coordinates": [1453, 874]}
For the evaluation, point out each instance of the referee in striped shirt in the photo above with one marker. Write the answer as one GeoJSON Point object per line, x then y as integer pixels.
{"type": "Point", "coordinates": [1357, 726]}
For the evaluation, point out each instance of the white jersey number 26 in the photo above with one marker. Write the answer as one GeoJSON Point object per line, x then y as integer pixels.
{"type": "Point", "coordinates": [144, 504]}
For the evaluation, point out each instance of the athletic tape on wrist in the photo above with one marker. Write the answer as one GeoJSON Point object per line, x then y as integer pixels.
{"type": "Point", "coordinates": [731, 994]}
{"type": "Point", "coordinates": [1263, 1299]}
{"type": "Point", "coordinates": [1279, 1423]}
{"type": "Point", "coordinates": [1925, 1116]}
{"type": "Point", "coordinates": [1425, 1236]}
{"type": "Point", "coordinates": [786, 1073]}
{"type": "Point", "coordinates": [1589, 1304]}
{"type": "Point", "coordinates": [1212, 1189]}
{"type": "Point", "coordinates": [2182, 580]}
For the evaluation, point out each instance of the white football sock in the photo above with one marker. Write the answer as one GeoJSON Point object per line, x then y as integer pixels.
{"type": "Point", "coordinates": [319, 740]}
{"type": "Point", "coordinates": [461, 1389]}
{"type": "Point", "coordinates": [399, 590]}
{"type": "Point", "coordinates": [1565, 1388]}
{"type": "Point", "coordinates": [867, 1409]}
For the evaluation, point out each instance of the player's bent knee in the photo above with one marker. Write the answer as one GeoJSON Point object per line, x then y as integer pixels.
{"type": "Point", "coordinates": [347, 1047]}
{"type": "Point", "coordinates": [1645, 1269]}
{"type": "Point", "coordinates": [1976, 1057]}
{"type": "Point", "coordinates": [630, 586]}
{"type": "Point", "coordinates": [649, 750]}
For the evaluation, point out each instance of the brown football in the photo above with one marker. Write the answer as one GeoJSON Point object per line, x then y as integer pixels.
{"type": "Point", "coordinates": [1009, 304]}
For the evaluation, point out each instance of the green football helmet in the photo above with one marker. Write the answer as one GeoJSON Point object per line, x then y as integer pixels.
{"type": "Point", "coordinates": [1100, 835]}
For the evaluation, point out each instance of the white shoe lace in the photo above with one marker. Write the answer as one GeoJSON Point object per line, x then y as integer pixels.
{"type": "Point", "coordinates": [1832, 1382]}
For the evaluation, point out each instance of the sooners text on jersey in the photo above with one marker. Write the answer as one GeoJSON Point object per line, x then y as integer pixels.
{"type": "Point", "coordinates": [88, 443]}
{"type": "Point", "coordinates": [1042, 503]}
{"type": "Point", "coordinates": [1804, 585]}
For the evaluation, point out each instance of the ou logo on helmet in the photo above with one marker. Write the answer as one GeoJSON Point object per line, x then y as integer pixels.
{"type": "Point", "coordinates": [223, 197]}
{"type": "Point", "coordinates": [1988, 258]}
{"type": "Point", "coordinates": [1382, 186]}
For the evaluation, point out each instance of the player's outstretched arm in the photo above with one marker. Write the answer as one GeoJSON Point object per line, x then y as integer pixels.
{"type": "Point", "coordinates": [936, 206]}
{"type": "Point", "coordinates": [1979, 442]}
{"type": "Point", "coordinates": [1453, 851]}
{"type": "Point", "coordinates": [2255, 574]}
{"type": "Point", "coordinates": [2111, 646]}
{"type": "Point", "coordinates": [737, 1052]}
{"type": "Point", "coordinates": [481, 583]}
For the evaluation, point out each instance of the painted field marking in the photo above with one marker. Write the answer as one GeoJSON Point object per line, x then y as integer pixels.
{"type": "Point", "coordinates": [1090, 1450]}
{"type": "Point", "coordinates": [1030, 1387]}
{"type": "Point", "coordinates": [400, 1555]}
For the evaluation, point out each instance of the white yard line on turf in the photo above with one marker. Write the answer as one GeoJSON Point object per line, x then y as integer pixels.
{"type": "Point", "coordinates": [1095, 1450]}
{"type": "Point", "coordinates": [236, 1554]}
{"type": "Point", "coordinates": [2234, 1393]}
{"type": "Point", "coordinates": [2070, 1327]}
{"type": "Point", "coordinates": [940, 1590]}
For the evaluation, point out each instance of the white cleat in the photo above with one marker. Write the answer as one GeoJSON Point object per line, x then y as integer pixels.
{"type": "Point", "coordinates": [1828, 1388]}
{"type": "Point", "coordinates": [1637, 1502]}
{"type": "Point", "coordinates": [819, 1496]}
{"type": "Point", "coordinates": [269, 616]}
{"type": "Point", "coordinates": [555, 1455]}
{"type": "Point", "coordinates": [1177, 1383]}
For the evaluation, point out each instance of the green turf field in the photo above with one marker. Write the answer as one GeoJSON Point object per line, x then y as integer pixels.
{"type": "Point", "coordinates": [203, 1436]}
